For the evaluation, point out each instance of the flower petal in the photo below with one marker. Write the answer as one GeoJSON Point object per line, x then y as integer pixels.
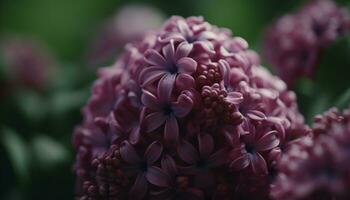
{"type": "Point", "coordinates": [171, 131]}
{"type": "Point", "coordinates": [150, 75]}
{"type": "Point", "coordinates": [186, 65]}
{"type": "Point", "coordinates": [187, 152]}
{"type": "Point", "coordinates": [205, 145]}
{"type": "Point", "coordinates": [139, 189]}
{"type": "Point", "coordinates": [150, 100]}
{"type": "Point", "coordinates": [167, 37]}
{"type": "Point", "coordinates": [157, 177]}
{"type": "Point", "coordinates": [169, 52]}
{"type": "Point", "coordinates": [183, 50]}
{"type": "Point", "coordinates": [234, 98]}
{"type": "Point", "coordinates": [152, 57]}
{"type": "Point", "coordinates": [165, 88]}
{"type": "Point", "coordinates": [134, 136]}
{"type": "Point", "coordinates": [184, 82]}
{"type": "Point", "coordinates": [267, 141]}
{"type": "Point", "coordinates": [184, 28]}
{"type": "Point", "coordinates": [256, 115]}
{"type": "Point", "coordinates": [218, 158]}
{"type": "Point", "coordinates": [169, 165]}
{"type": "Point", "coordinates": [128, 153]}
{"type": "Point", "coordinates": [258, 164]}
{"type": "Point", "coordinates": [240, 162]}
{"type": "Point", "coordinates": [153, 152]}
{"type": "Point", "coordinates": [183, 105]}
{"type": "Point", "coordinates": [154, 121]}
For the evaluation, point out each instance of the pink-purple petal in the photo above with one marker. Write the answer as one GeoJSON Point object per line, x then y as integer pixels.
{"type": "Point", "coordinates": [153, 152]}
{"type": "Point", "coordinates": [258, 163]}
{"type": "Point", "coordinates": [140, 188]}
{"type": "Point", "coordinates": [187, 152]}
{"type": "Point", "coordinates": [154, 58]}
{"type": "Point", "coordinates": [183, 50]}
{"type": "Point", "coordinates": [157, 177]}
{"type": "Point", "coordinates": [165, 87]}
{"type": "Point", "coordinates": [153, 121]}
{"type": "Point", "coordinates": [169, 52]}
{"type": "Point", "coordinates": [267, 141]}
{"type": "Point", "coordinates": [150, 100]}
{"type": "Point", "coordinates": [168, 165]}
{"type": "Point", "coordinates": [240, 162]}
{"type": "Point", "coordinates": [128, 153]}
{"type": "Point", "coordinates": [256, 115]}
{"type": "Point", "coordinates": [186, 65]}
{"type": "Point", "coordinates": [150, 75]}
{"type": "Point", "coordinates": [184, 82]}
{"type": "Point", "coordinates": [205, 145]}
{"type": "Point", "coordinates": [171, 130]}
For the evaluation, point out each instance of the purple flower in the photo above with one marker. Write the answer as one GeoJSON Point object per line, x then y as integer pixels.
{"type": "Point", "coordinates": [143, 167]}
{"type": "Point", "coordinates": [254, 141]}
{"type": "Point", "coordinates": [201, 161]}
{"type": "Point", "coordinates": [172, 65]}
{"type": "Point", "coordinates": [293, 44]}
{"type": "Point", "coordinates": [177, 186]}
{"type": "Point", "coordinates": [129, 24]}
{"type": "Point", "coordinates": [165, 111]}
{"type": "Point", "coordinates": [27, 62]}
{"type": "Point", "coordinates": [317, 167]}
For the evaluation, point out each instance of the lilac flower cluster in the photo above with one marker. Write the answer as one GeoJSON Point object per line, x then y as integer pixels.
{"type": "Point", "coordinates": [186, 113]}
{"type": "Point", "coordinates": [293, 44]}
{"type": "Point", "coordinates": [318, 166]}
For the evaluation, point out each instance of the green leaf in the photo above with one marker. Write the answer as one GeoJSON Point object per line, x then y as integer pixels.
{"type": "Point", "coordinates": [17, 151]}
{"type": "Point", "coordinates": [48, 153]}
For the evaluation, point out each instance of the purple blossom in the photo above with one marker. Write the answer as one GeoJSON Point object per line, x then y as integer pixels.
{"type": "Point", "coordinates": [143, 167]}
{"type": "Point", "coordinates": [317, 167]}
{"type": "Point", "coordinates": [172, 65]}
{"type": "Point", "coordinates": [293, 44]}
{"type": "Point", "coordinates": [254, 141]}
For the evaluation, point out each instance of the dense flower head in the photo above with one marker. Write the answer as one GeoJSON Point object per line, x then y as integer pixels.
{"type": "Point", "coordinates": [318, 166]}
{"type": "Point", "coordinates": [28, 63]}
{"type": "Point", "coordinates": [130, 23]}
{"type": "Point", "coordinates": [186, 113]}
{"type": "Point", "coordinates": [294, 42]}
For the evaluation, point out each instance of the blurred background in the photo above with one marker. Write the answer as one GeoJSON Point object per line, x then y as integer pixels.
{"type": "Point", "coordinates": [50, 51]}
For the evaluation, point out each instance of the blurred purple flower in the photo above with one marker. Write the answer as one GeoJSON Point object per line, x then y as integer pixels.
{"type": "Point", "coordinates": [293, 43]}
{"type": "Point", "coordinates": [129, 24]}
{"type": "Point", "coordinates": [28, 63]}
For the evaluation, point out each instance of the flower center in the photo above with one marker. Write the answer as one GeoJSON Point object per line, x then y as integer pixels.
{"type": "Point", "coordinates": [249, 148]}
{"type": "Point", "coordinates": [167, 110]}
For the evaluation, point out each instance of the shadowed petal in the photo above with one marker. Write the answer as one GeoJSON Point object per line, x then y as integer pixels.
{"type": "Point", "coordinates": [267, 142]}
{"type": "Point", "coordinates": [150, 75]}
{"type": "Point", "coordinates": [154, 121]}
{"type": "Point", "coordinates": [169, 165]}
{"type": "Point", "coordinates": [205, 144]}
{"type": "Point", "coordinates": [184, 82]}
{"type": "Point", "coordinates": [218, 158]}
{"type": "Point", "coordinates": [258, 163]}
{"type": "Point", "coordinates": [183, 105]}
{"type": "Point", "coordinates": [171, 36]}
{"type": "Point", "coordinates": [171, 131]}
{"type": "Point", "coordinates": [186, 65]}
{"type": "Point", "coordinates": [240, 162]}
{"type": "Point", "coordinates": [157, 177]}
{"type": "Point", "coordinates": [128, 153]}
{"type": "Point", "coordinates": [153, 152]}
{"type": "Point", "coordinates": [149, 100]}
{"type": "Point", "coordinates": [183, 50]}
{"type": "Point", "coordinates": [152, 57]}
{"type": "Point", "coordinates": [139, 189]}
{"type": "Point", "coordinates": [165, 87]}
{"type": "Point", "coordinates": [187, 152]}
